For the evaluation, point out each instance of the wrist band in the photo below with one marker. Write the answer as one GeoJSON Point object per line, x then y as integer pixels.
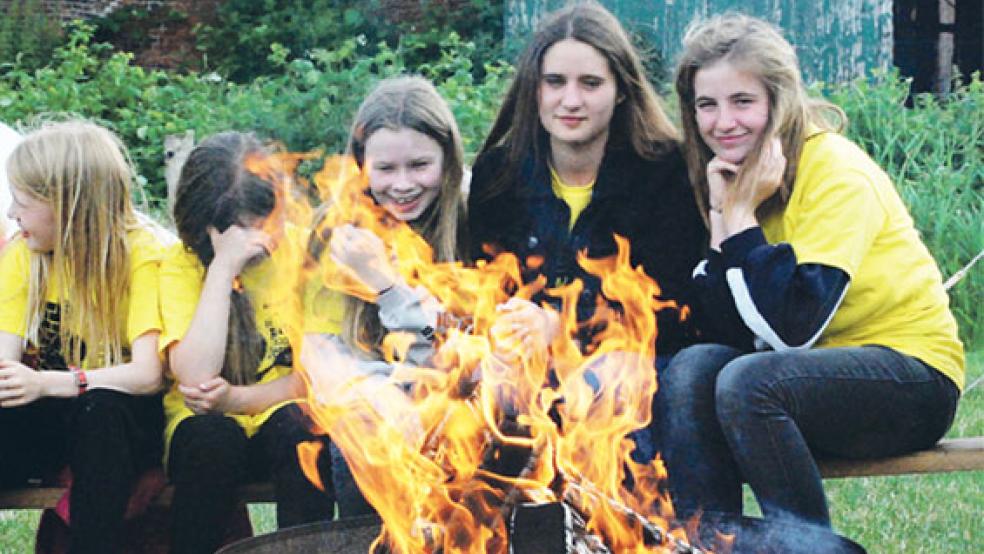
{"type": "Point", "coordinates": [81, 381]}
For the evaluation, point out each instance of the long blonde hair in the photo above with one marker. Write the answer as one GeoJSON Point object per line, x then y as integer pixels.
{"type": "Point", "coordinates": [409, 103]}
{"type": "Point", "coordinates": [755, 46]}
{"type": "Point", "coordinates": [83, 171]}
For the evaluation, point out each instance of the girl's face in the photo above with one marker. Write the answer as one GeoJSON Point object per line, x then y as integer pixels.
{"type": "Point", "coordinates": [404, 169]}
{"type": "Point", "coordinates": [577, 94]}
{"type": "Point", "coordinates": [732, 110]}
{"type": "Point", "coordinates": [36, 219]}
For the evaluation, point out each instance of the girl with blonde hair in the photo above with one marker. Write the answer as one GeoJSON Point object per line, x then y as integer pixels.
{"type": "Point", "coordinates": [406, 142]}
{"type": "Point", "coordinates": [232, 411]}
{"type": "Point", "coordinates": [79, 325]}
{"type": "Point", "coordinates": [840, 339]}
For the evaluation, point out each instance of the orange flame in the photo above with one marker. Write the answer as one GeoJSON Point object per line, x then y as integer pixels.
{"type": "Point", "coordinates": [423, 458]}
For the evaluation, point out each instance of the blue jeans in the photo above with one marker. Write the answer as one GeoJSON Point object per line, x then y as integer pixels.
{"type": "Point", "coordinates": [351, 503]}
{"type": "Point", "coordinates": [647, 439]}
{"type": "Point", "coordinates": [727, 417]}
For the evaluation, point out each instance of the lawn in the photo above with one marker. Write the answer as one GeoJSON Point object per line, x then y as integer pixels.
{"type": "Point", "coordinates": [932, 514]}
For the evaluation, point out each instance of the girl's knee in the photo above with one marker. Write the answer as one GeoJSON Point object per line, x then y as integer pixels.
{"type": "Point", "coordinates": [100, 412]}
{"type": "Point", "coordinates": [695, 366]}
{"type": "Point", "coordinates": [745, 385]}
{"type": "Point", "coordinates": [207, 444]}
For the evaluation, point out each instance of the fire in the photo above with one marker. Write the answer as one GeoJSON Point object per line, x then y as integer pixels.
{"type": "Point", "coordinates": [431, 461]}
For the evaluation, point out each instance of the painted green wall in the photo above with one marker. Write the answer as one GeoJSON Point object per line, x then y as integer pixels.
{"type": "Point", "coordinates": [836, 40]}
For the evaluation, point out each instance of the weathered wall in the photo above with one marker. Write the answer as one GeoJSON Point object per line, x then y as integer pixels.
{"type": "Point", "coordinates": [84, 9]}
{"type": "Point", "coordinates": [836, 39]}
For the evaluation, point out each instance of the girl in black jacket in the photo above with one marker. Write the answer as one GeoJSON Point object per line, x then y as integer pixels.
{"type": "Point", "coordinates": [581, 150]}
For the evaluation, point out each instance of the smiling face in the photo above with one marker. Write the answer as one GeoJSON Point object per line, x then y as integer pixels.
{"type": "Point", "coordinates": [404, 169]}
{"type": "Point", "coordinates": [731, 109]}
{"type": "Point", "coordinates": [36, 219]}
{"type": "Point", "coordinates": [577, 94]}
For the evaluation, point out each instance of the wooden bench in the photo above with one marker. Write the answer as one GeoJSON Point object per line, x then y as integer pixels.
{"type": "Point", "coordinates": [41, 497]}
{"type": "Point", "coordinates": [961, 454]}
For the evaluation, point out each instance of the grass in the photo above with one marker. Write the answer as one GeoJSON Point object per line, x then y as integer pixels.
{"type": "Point", "coordinates": [932, 514]}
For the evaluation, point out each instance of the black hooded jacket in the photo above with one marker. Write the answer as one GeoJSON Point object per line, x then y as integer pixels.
{"type": "Point", "coordinates": [650, 202]}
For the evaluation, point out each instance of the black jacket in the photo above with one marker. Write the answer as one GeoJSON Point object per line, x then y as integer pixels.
{"type": "Point", "coordinates": [649, 202]}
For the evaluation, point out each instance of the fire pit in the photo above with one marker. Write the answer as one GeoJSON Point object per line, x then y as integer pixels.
{"type": "Point", "coordinates": [356, 535]}
{"type": "Point", "coordinates": [345, 536]}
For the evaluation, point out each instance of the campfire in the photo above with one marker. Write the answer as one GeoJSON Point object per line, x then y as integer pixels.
{"type": "Point", "coordinates": [480, 453]}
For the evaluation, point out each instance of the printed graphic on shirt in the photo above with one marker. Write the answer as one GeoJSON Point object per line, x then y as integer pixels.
{"type": "Point", "coordinates": [278, 352]}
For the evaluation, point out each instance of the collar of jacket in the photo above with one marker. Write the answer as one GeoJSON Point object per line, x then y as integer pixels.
{"type": "Point", "coordinates": [611, 181]}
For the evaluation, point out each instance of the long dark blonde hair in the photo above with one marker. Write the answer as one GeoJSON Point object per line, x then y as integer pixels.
{"type": "Point", "coordinates": [638, 121]}
{"type": "Point", "coordinates": [755, 46]}
{"type": "Point", "coordinates": [215, 189]}
{"type": "Point", "coordinates": [83, 171]}
{"type": "Point", "coordinates": [409, 102]}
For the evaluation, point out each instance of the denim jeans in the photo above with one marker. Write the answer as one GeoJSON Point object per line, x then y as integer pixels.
{"type": "Point", "coordinates": [727, 417]}
{"type": "Point", "coordinates": [211, 456]}
{"type": "Point", "coordinates": [351, 503]}
{"type": "Point", "coordinates": [647, 440]}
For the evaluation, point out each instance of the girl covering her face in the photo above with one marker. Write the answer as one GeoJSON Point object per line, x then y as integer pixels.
{"type": "Point", "coordinates": [831, 348]}
{"type": "Point", "coordinates": [232, 412]}
{"type": "Point", "coordinates": [79, 326]}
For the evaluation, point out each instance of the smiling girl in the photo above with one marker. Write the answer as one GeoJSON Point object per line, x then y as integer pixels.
{"type": "Point", "coordinates": [815, 263]}
{"type": "Point", "coordinates": [79, 326]}
{"type": "Point", "coordinates": [406, 142]}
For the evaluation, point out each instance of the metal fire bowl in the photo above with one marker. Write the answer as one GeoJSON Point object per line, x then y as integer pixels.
{"type": "Point", "coordinates": [345, 536]}
{"type": "Point", "coordinates": [355, 536]}
{"type": "Point", "coordinates": [760, 536]}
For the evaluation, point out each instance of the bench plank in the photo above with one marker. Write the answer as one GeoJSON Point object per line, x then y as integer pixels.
{"type": "Point", "coordinates": [961, 454]}
{"type": "Point", "coordinates": [38, 498]}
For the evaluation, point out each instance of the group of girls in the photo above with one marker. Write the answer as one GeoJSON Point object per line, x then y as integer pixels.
{"type": "Point", "coordinates": [818, 326]}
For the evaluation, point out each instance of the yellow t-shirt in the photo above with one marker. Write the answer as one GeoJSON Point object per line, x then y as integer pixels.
{"type": "Point", "coordinates": [576, 198]}
{"type": "Point", "coordinates": [181, 279]}
{"type": "Point", "coordinates": [845, 212]}
{"type": "Point", "coordinates": [142, 306]}
{"type": "Point", "coordinates": [324, 309]}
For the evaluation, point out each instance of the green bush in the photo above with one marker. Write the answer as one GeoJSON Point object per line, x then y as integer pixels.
{"type": "Point", "coordinates": [27, 34]}
{"type": "Point", "coordinates": [236, 44]}
{"type": "Point", "coordinates": [307, 104]}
